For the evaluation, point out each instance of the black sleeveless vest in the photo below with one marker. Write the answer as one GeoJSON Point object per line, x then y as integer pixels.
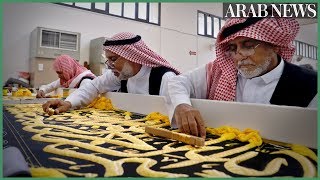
{"type": "Point", "coordinates": [297, 86]}
{"type": "Point", "coordinates": [154, 80]}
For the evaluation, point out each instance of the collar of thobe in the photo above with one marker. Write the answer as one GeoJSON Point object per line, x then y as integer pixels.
{"type": "Point", "coordinates": [142, 73]}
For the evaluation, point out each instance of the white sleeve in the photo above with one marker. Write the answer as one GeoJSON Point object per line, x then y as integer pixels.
{"type": "Point", "coordinates": [164, 83]}
{"type": "Point", "coordinates": [50, 87]}
{"type": "Point", "coordinates": [181, 88]}
{"type": "Point", "coordinates": [88, 91]}
{"type": "Point", "coordinates": [314, 102]}
{"type": "Point", "coordinates": [85, 81]}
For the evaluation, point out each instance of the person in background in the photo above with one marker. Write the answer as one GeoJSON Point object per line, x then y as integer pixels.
{"type": "Point", "coordinates": [71, 75]}
{"type": "Point", "coordinates": [22, 80]}
{"type": "Point", "coordinates": [86, 65]}
{"type": "Point", "coordinates": [252, 65]}
{"type": "Point", "coordinates": [133, 68]}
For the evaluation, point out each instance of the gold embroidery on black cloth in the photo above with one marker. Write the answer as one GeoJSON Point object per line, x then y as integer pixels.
{"type": "Point", "coordinates": [91, 142]}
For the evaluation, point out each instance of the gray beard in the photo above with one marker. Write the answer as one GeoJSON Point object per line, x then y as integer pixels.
{"type": "Point", "coordinates": [126, 72]}
{"type": "Point", "coordinates": [253, 73]}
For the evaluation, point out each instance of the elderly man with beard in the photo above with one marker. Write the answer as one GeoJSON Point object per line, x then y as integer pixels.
{"type": "Point", "coordinates": [133, 68]}
{"type": "Point", "coordinates": [252, 65]}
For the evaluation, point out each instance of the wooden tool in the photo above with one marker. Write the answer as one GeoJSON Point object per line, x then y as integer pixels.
{"type": "Point", "coordinates": [188, 139]}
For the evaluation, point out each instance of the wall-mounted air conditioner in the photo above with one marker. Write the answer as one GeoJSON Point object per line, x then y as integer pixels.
{"type": "Point", "coordinates": [50, 43]}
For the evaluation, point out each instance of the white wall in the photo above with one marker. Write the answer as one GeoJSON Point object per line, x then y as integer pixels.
{"type": "Point", "coordinates": [183, 16]}
{"type": "Point", "coordinates": [176, 36]}
{"type": "Point", "coordinates": [179, 32]}
{"type": "Point", "coordinates": [308, 33]}
{"type": "Point", "coordinates": [21, 18]}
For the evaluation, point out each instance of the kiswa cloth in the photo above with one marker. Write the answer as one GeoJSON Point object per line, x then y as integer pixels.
{"type": "Point", "coordinates": [222, 73]}
{"type": "Point", "coordinates": [70, 69]}
{"type": "Point", "coordinates": [132, 48]}
{"type": "Point", "coordinates": [103, 143]}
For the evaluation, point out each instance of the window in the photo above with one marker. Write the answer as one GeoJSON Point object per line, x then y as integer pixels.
{"type": "Point", "coordinates": [154, 10]}
{"type": "Point", "coordinates": [301, 49]}
{"type": "Point", "coordinates": [142, 11]}
{"type": "Point", "coordinates": [209, 25]}
{"type": "Point", "coordinates": [138, 11]}
{"type": "Point", "coordinates": [201, 24]}
{"type": "Point", "coordinates": [115, 9]}
{"type": "Point", "coordinates": [129, 10]}
{"type": "Point", "coordinates": [310, 51]}
{"type": "Point", "coordinates": [68, 3]}
{"type": "Point", "coordinates": [305, 50]}
{"type": "Point", "coordinates": [216, 26]}
{"type": "Point", "coordinates": [83, 5]}
{"type": "Point", "coordinates": [100, 6]}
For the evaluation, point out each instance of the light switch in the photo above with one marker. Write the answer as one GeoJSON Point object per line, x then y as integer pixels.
{"type": "Point", "coordinates": [40, 67]}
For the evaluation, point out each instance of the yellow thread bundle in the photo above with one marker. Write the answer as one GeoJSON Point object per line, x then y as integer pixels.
{"type": "Point", "coordinates": [156, 116]}
{"type": "Point", "coordinates": [102, 103]}
{"type": "Point", "coordinates": [228, 132]}
{"type": "Point", "coordinates": [22, 92]}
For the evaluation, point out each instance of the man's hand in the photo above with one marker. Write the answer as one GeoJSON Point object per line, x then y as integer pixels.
{"type": "Point", "coordinates": [189, 120]}
{"type": "Point", "coordinates": [40, 94]}
{"type": "Point", "coordinates": [59, 106]}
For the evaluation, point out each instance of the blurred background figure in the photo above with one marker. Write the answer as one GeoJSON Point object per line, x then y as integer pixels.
{"type": "Point", "coordinates": [22, 79]}
{"type": "Point", "coordinates": [71, 75]}
{"type": "Point", "coordinates": [86, 65]}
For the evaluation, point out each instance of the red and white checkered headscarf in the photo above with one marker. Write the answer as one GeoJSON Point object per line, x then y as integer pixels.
{"type": "Point", "coordinates": [222, 73]}
{"type": "Point", "coordinates": [137, 52]}
{"type": "Point", "coordinates": [70, 69]}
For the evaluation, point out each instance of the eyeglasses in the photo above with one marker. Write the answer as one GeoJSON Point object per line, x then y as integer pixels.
{"type": "Point", "coordinates": [110, 62]}
{"type": "Point", "coordinates": [247, 49]}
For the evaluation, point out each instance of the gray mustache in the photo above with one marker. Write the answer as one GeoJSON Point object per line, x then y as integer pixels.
{"type": "Point", "coordinates": [245, 62]}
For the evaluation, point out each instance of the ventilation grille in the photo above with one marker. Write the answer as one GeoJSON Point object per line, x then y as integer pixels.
{"type": "Point", "coordinates": [59, 40]}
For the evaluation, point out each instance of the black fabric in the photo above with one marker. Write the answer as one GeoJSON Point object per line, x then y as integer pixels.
{"type": "Point", "coordinates": [123, 41]}
{"type": "Point", "coordinates": [154, 80]}
{"type": "Point", "coordinates": [124, 86]}
{"type": "Point", "coordinates": [86, 77]}
{"type": "Point", "coordinates": [297, 86]}
{"type": "Point", "coordinates": [238, 27]}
